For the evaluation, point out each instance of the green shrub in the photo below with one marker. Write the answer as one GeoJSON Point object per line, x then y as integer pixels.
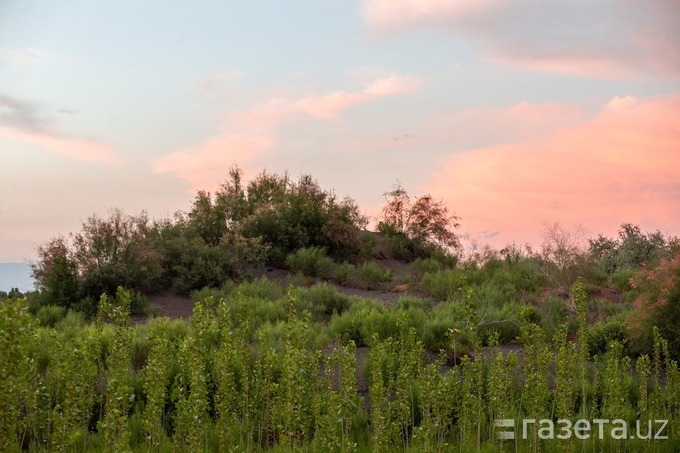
{"type": "Point", "coordinates": [446, 259]}
{"type": "Point", "coordinates": [262, 288]}
{"type": "Point", "coordinates": [381, 324]}
{"type": "Point", "coordinates": [443, 285]}
{"type": "Point", "coordinates": [504, 321]}
{"type": "Point", "coordinates": [347, 328]}
{"type": "Point", "coordinates": [406, 302]}
{"type": "Point", "coordinates": [365, 319]}
{"type": "Point", "coordinates": [139, 303]}
{"type": "Point", "coordinates": [49, 315]}
{"type": "Point", "coordinates": [372, 275]}
{"type": "Point", "coordinates": [256, 311]}
{"type": "Point", "coordinates": [87, 306]}
{"type": "Point", "coordinates": [71, 325]}
{"type": "Point", "coordinates": [344, 273]}
{"type": "Point", "coordinates": [367, 243]}
{"type": "Point", "coordinates": [555, 313]}
{"type": "Point", "coordinates": [323, 300]}
{"type": "Point", "coordinates": [141, 346]}
{"type": "Point", "coordinates": [526, 277]}
{"type": "Point", "coordinates": [621, 279]}
{"type": "Point", "coordinates": [436, 334]}
{"type": "Point", "coordinates": [605, 308]}
{"type": "Point", "coordinates": [205, 293]}
{"type": "Point", "coordinates": [421, 266]}
{"type": "Point", "coordinates": [490, 294]}
{"type": "Point", "coordinates": [311, 261]}
{"type": "Point", "coordinates": [443, 318]}
{"type": "Point", "coordinates": [602, 333]}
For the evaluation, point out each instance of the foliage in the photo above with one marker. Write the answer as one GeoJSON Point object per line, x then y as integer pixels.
{"type": "Point", "coordinates": [291, 215]}
{"type": "Point", "coordinates": [632, 249]}
{"type": "Point", "coordinates": [657, 305]}
{"type": "Point", "coordinates": [371, 275]}
{"type": "Point", "coordinates": [49, 315]}
{"type": "Point", "coordinates": [190, 263]}
{"type": "Point", "coordinates": [322, 300]}
{"type": "Point", "coordinates": [602, 333]}
{"type": "Point", "coordinates": [56, 273]}
{"type": "Point", "coordinates": [238, 378]}
{"type": "Point", "coordinates": [563, 255]}
{"type": "Point", "coordinates": [311, 261]}
{"type": "Point", "coordinates": [419, 227]}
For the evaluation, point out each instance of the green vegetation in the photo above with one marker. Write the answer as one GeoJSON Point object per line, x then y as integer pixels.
{"type": "Point", "coordinates": [233, 377]}
{"type": "Point", "coordinates": [310, 333]}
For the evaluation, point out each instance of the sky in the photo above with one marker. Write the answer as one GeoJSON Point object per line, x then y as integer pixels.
{"type": "Point", "coordinates": [515, 114]}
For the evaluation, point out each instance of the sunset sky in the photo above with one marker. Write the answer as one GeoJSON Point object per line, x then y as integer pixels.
{"type": "Point", "coordinates": [514, 113]}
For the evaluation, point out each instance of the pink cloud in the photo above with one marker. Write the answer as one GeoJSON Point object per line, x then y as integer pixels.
{"type": "Point", "coordinates": [478, 126]}
{"type": "Point", "coordinates": [395, 14]}
{"type": "Point", "coordinates": [206, 163]}
{"type": "Point", "coordinates": [325, 106]}
{"type": "Point", "coordinates": [621, 166]}
{"type": "Point", "coordinates": [615, 39]}
{"type": "Point", "coordinates": [600, 67]}
{"type": "Point", "coordinates": [522, 120]}
{"type": "Point", "coordinates": [82, 149]}
{"type": "Point", "coordinates": [251, 133]}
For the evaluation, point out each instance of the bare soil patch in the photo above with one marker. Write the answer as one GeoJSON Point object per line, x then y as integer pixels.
{"type": "Point", "coordinates": [171, 305]}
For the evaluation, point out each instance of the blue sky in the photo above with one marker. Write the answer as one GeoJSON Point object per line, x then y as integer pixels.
{"type": "Point", "coordinates": [486, 104]}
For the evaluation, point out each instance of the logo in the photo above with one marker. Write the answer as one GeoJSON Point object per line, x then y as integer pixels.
{"type": "Point", "coordinates": [599, 428]}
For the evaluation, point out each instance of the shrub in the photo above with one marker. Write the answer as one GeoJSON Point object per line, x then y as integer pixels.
{"type": "Point", "coordinates": [189, 263]}
{"type": "Point", "coordinates": [436, 334]}
{"type": "Point", "coordinates": [347, 328]}
{"type": "Point", "coordinates": [206, 293]}
{"type": "Point", "coordinates": [421, 266]}
{"type": "Point", "coordinates": [425, 224]}
{"type": "Point", "coordinates": [633, 249]}
{"type": "Point", "coordinates": [367, 244]}
{"type": "Point", "coordinates": [139, 303]}
{"type": "Point", "coordinates": [49, 315]}
{"type": "Point", "coordinates": [311, 261]}
{"type": "Point", "coordinates": [407, 302]}
{"type": "Point", "coordinates": [372, 275]}
{"type": "Point", "coordinates": [504, 321]}
{"type": "Point", "coordinates": [70, 325]}
{"type": "Point", "coordinates": [55, 274]}
{"type": "Point", "coordinates": [657, 305]}
{"type": "Point", "coordinates": [443, 285]}
{"type": "Point", "coordinates": [379, 324]}
{"type": "Point", "coordinates": [364, 319]}
{"type": "Point", "coordinates": [602, 333]}
{"type": "Point", "coordinates": [87, 306]}
{"type": "Point", "coordinates": [344, 273]}
{"type": "Point", "coordinates": [323, 300]}
{"type": "Point", "coordinates": [525, 275]}
{"type": "Point", "coordinates": [555, 313]}
{"type": "Point", "coordinates": [605, 308]}
{"type": "Point", "coordinates": [256, 311]}
{"type": "Point", "coordinates": [621, 279]}
{"type": "Point", "coordinates": [141, 346]}
{"type": "Point", "coordinates": [261, 288]}
{"type": "Point", "coordinates": [292, 215]}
